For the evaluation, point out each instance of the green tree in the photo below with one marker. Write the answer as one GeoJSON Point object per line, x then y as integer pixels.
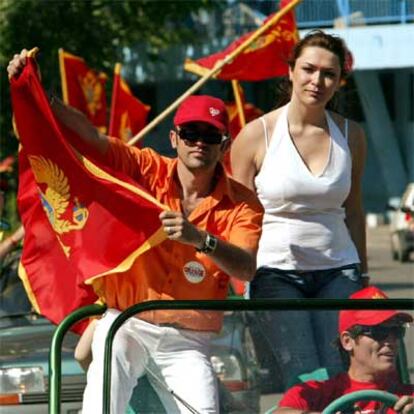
{"type": "Point", "coordinates": [97, 30]}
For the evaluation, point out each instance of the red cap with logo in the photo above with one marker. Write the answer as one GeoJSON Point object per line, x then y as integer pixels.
{"type": "Point", "coordinates": [349, 318]}
{"type": "Point", "coordinates": [203, 108]}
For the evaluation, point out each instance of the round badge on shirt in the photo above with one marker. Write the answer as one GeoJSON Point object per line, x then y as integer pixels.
{"type": "Point", "coordinates": [194, 272]}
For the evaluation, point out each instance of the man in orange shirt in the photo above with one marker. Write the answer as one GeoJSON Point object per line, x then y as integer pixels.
{"type": "Point", "coordinates": [213, 225]}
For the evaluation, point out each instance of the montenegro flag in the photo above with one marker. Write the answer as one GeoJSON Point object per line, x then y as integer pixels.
{"type": "Point", "coordinates": [83, 88]}
{"type": "Point", "coordinates": [265, 58]}
{"type": "Point", "coordinates": [128, 113]}
{"type": "Point", "coordinates": [250, 112]}
{"type": "Point", "coordinates": [81, 221]}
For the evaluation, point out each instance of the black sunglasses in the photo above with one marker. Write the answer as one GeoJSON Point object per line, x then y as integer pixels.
{"type": "Point", "coordinates": [193, 135]}
{"type": "Point", "coordinates": [378, 333]}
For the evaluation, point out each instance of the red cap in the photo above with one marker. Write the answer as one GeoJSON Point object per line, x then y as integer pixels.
{"type": "Point", "coordinates": [349, 318]}
{"type": "Point", "coordinates": [203, 108]}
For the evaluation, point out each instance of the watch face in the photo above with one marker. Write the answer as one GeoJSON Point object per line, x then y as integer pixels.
{"type": "Point", "coordinates": [194, 272]}
{"type": "Point", "coordinates": [210, 244]}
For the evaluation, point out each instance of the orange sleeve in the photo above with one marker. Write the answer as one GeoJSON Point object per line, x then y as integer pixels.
{"type": "Point", "coordinates": [143, 165]}
{"type": "Point", "coordinates": [247, 226]}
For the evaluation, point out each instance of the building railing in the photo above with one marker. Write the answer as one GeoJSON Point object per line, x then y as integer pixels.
{"type": "Point", "coordinates": [333, 13]}
{"type": "Point", "coordinates": [325, 13]}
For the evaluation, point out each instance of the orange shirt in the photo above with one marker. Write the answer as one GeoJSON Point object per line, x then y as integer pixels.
{"type": "Point", "coordinates": [173, 270]}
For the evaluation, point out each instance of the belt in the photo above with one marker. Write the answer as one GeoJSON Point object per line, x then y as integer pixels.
{"type": "Point", "coordinates": [169, 325]}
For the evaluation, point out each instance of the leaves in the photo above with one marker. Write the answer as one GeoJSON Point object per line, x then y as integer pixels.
{"type": "Point", "coordinates": [97, 30]}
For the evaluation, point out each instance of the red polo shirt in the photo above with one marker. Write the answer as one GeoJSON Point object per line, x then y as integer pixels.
{"type": "Point", "coordinates": [317, 395]}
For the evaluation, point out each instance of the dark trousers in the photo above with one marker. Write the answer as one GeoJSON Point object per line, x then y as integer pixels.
{"type": "Point", "coordinates": [302, 341]}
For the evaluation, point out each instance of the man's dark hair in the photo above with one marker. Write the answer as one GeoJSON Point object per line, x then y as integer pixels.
{"type": "Point", "coordinates": [354, 332]}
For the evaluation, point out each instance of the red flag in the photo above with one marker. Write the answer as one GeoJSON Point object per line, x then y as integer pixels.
{"type": "Point", "coordinates": [83, 88]}
{"type": "Point", "coordinates": [50, 283]}
{"type": "Point", "coordinates": [266, 57]}
{"type": "Point", "coordinates": [128, 113]}
{"type": "Point", "coordinates": [250, 112]}
{"type": "Point", "coordinates": [74, 213]}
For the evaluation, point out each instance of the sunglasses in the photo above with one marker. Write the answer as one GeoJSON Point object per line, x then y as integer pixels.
{"type": "Point", "coordinates": [379, 333]}
{"type": "Point", "coordinates": [192, 136]}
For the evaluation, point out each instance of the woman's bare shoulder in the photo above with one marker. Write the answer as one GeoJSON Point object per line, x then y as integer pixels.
{"type": "Point", "coordinates": [339, 121]}
{"type": "Point", "coordinates": [252, 134]}
{"type": "Point", "coordinates": [354, 128]}
{"type": "Point", "coordinates": [356, 134]}
{"type": "Point", "coordinates": [270, 120]}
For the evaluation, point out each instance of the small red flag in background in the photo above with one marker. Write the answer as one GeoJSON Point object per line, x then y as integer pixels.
{"type": "Point", "coordinates": [83, 88]}
{"type": "Point", "coordinates": [128, 113]}
{"type": "Point", "coordinates": [74, 213]}
{"type": "Point", "coordinates": [250, 112]}
{"type": "Point", "coordinates": [266, 57]}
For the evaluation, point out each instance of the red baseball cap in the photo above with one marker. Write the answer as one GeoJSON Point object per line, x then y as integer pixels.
{"type": "Point", "coordinates": [349, 318]}
{"type": "Point", "coordinates": [203, 108]}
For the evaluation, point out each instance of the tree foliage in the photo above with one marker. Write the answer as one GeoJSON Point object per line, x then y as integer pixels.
{"type": "Point", "coordinates": [96, 30]}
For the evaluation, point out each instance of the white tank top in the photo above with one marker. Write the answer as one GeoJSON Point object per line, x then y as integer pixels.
{"type": "Point", "coordinates": [303, 223]}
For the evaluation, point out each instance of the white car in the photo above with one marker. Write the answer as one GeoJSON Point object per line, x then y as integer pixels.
{"type": "Point", "coordinates": [402, 226]}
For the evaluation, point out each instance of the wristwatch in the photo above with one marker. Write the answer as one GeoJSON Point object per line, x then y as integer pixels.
{"type": "Point", "coordinates": [210, 244]}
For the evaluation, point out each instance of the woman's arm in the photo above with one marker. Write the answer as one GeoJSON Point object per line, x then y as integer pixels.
{"type": "Point", "coordinates": [83, 350]}
{"type": "Point", "coordinates": [246, 153]}
{"type": "Point", "coordinates": [354, 211]}
{"type": "Point", "coordinates": [9, 244]}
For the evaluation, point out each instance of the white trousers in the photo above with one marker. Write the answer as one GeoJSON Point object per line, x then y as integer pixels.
{"type": "Point", "coordinates": [180, 357]}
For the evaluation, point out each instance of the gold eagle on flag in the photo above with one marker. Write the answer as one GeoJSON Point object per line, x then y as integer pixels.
{"type": "Point", "coordinates": [92, 90]}
{"type": "Point", "coordinates": [125, 128]}
{"type": "Point", "coordinates": [56, 198]}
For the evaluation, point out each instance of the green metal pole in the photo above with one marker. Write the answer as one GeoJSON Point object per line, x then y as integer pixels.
{"type": "Point", "coordinates": [239, 305]}
{"type": "Point", "coordinates": [55, 354]}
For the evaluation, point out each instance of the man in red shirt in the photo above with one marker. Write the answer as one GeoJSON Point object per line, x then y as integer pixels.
{"type": "Point", "coordinates": [369, 342]}
{"type": "Point", "coordinates": [212, 225]}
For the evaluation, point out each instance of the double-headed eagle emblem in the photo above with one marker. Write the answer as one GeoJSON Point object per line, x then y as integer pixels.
{"type": "Point", "coordinates": [92, 90]}
{"type": "Point", "coordinates": [56, 199]}
{"type": "Point", "coordinates": [125, 128]}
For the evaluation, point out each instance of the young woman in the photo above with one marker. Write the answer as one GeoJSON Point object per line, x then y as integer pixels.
{"type": "Point", "coordinates": [305, 164]}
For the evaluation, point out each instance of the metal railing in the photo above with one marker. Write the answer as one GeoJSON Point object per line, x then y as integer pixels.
{"type": "Point", "coordinates": [323, 13]}
{"type": "Point", "coordinates": [218, 305]}
{"type": "Point", "coordinates": [55, 354]}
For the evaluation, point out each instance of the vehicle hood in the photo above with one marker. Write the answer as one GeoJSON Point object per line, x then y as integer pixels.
{"type": "Point", "coordinates": [29, 344]}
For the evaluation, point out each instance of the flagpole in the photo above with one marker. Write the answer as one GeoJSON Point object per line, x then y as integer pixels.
{"type": "Point", "coordinates": [115, 87]}
{"type": "Point", "coordinates": [239, 104]}
{"type": "Point", "coordinates": [62, 71]}
{"type": "Point", "coordinates": [217, 67]}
